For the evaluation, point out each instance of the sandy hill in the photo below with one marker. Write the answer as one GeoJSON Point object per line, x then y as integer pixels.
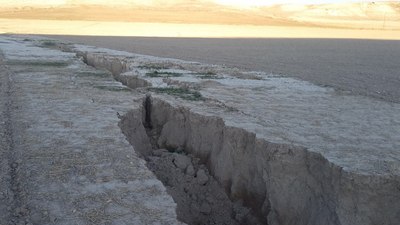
{"type": "Point", "coordinates": [170, 11]}
{"type": "Point", "coordinates": [378, 15]}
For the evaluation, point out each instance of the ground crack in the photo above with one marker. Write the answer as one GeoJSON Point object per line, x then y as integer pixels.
{"type": "Point", "coordinates": [17, 210]}
{"type": "Point", "coordinates": [199, 196]}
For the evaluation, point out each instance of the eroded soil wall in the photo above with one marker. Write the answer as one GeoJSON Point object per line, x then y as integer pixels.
{"type": "Point", "coordinates": [283, 184]}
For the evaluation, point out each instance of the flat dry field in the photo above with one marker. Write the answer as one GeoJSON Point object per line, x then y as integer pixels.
{"type": "Point", "coordinates": [366, 67]}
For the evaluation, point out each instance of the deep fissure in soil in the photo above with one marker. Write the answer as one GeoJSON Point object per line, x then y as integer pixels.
{"type": "Point", "coordinates": [199, 196]}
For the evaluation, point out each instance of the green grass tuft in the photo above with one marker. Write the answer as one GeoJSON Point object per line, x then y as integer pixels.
{"type": "Point", "coordinates": [210, 73]}
{"type": "Point", "coordinates": [179, 92]}
{"type": "Point", "coordinates": [207, 75]}
{"type": "Point", "coordinates": [48, 43]}
{"type": "Point", "coordinates": [163, 74]}
{"type": "Point", "coordinates": [153, 66]}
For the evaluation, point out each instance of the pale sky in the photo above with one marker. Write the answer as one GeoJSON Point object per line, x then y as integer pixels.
{"type": "Point", "coordinates": [245, 3]}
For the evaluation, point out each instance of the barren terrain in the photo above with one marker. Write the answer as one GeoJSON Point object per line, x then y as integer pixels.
{"type": "Point", "coordinates": [204, 19]}
{"type": "Point", "coordinates": [97, 136]}
{"type": "Point", "coordinates": [368, 15]}
{"type": "Point", "coordinates": [365, 67]}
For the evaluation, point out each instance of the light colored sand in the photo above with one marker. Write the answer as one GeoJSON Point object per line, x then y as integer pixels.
{"type": "Point", "coordinates": [379, 15]}
{"type": "Point", "coordinates": [205, 19]}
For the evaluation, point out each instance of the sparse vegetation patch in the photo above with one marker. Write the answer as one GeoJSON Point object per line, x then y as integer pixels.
{"type": "Point", "coordinates": [153, 66]}
{"type": "Point", "coordinates": [163, 74]}
{"type": "Point", "coordinates": [48, 43]}
{"type": "Point", "coordinates": [207, 75]}
{"type": "Point", "coordinates": [179, 92]}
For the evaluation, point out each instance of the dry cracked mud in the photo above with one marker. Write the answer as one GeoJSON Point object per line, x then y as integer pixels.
{"type": "Point", "coordinates": [200, 198]}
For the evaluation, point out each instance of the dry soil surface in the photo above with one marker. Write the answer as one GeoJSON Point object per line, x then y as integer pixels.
{"type": "Point", "coordinates": [365, 67]}
{"type": "Point", "coordinates": [65, 161]}
{"type": "Point", "coordinates": [63, 158]}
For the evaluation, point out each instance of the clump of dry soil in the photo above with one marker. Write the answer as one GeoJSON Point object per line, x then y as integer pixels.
{"type": "Point", "coordinates": [200, 198]}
